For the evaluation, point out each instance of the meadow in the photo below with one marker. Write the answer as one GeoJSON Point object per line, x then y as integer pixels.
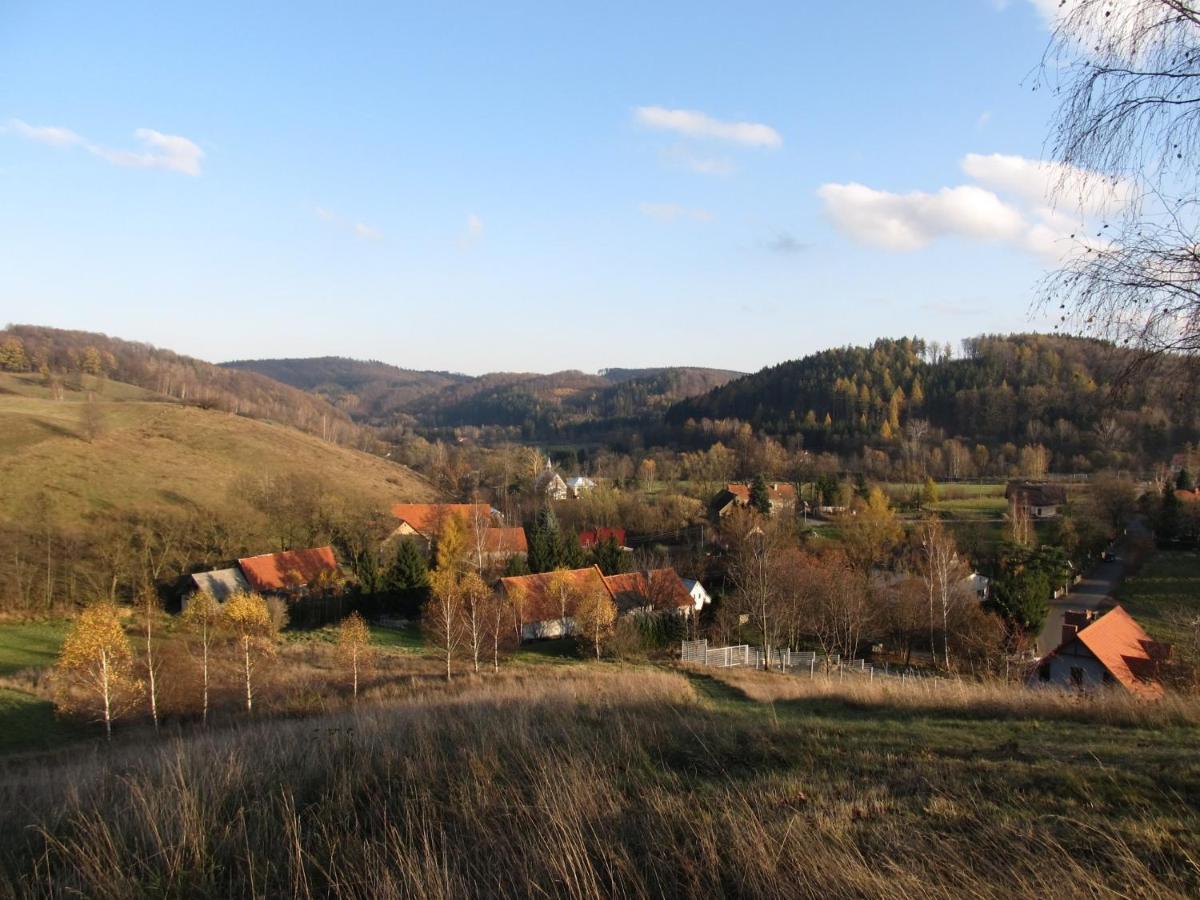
{"type": "Point", "coordinates": [1164, 595]}
{"type": "Point", "coordinates": [611, 780]}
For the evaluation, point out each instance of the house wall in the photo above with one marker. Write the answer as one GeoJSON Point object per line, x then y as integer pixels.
{"type": "Point", "coordinates": [1061, 664]}
{"type": "Point", "coordinates": [550, 628]}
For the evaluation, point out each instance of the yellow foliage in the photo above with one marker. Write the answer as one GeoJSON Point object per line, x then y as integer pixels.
{"type": "Point", "coordinates": [95, 666]}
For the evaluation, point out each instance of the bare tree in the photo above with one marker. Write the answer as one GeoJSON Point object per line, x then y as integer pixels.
{"type": "Point", "coordinates": [944, 574]}
{"type": "Point", "coordinates": [202, 615]}
{"type": "Point", "coordinates": [1126, 136]}
{"type": "Point", "coordinates": [756, 545]}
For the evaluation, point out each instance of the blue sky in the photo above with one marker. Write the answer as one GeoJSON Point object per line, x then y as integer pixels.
{"type": "Point", "coordinates": [523, 187]}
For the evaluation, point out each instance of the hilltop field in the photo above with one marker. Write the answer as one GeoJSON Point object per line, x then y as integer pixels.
{"type": "Point", "coordinates": [150, 452]}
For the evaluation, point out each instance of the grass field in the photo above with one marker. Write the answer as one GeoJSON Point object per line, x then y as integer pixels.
{"type": "Point", "coordinates": [162, 454]}
{"type": "Point", "coordinates": [1166, 590]}
{"type": "Point", "coordinates": [605, 781]}
{"type": "Point", "coordinates": [26, 645]}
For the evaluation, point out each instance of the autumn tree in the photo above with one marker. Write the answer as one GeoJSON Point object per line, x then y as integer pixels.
{"type": "Point", "coordinates": [95, 666]}
{"type": "Point", "coordinates": [354, 646]}
{"type": "Point", "coordinates": [445, 609]}
{"type": "Point", "coordinates": [595, 617]}
{"type": "Point", "coordinates": [91, 419]}
{"type": "Point", "coordinates": [202, 617]}
{"type": "Point", "coordinates": [943, 573]}
{"type": "Point", "coordinates": [870, 531]}
{"type": "Point", "coordinates": [646, 472]}
{"type": "Point", "coordinates": [476, 614]}
{"type": "Point", "coordinates": [247, 617]}
{"type": "Point", "coordinates": [755, 547]}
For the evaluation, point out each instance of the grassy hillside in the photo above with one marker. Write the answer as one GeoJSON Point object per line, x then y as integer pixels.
{"type": "Point", "coordinates": [153, 452]}
{"type": "Point", "coordinates": [606, 781]}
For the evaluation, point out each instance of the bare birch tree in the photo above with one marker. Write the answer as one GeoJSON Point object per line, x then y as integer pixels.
{"type": "Point", "coordinates": [202, 615]}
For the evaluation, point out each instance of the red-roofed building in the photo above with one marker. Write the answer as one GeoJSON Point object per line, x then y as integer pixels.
{"type": "Point", "coordinates": [597, 536]}
{"type": "Point", "coordinates": [292, 571]}
{"type": "Point", "coordinates": [548, 600]}
{"type": "Point", "coordinates": [501, 544]}
{"type": "Point", "coordinates": [1106, 650]}
{"type": "Point", "coordinates": [425, 519]}
{"type": "Point", "coordinates": [781, 494]}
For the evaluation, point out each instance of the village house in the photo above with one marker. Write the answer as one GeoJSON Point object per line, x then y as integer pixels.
{"type": "Point", "coordinates": [550, 484]}
{"type": "Point", "coordinates": [292, 572]}
{"type": "Point", "coordinates": [1041, 499]}
{"type": "Point", "coordinates": [578, 485]}
{"type": "Point", "coordinates": [782, 497]}
{"type": "Point", "coordinates": [698, 594]}
{"type": "Point", "coordinates": [502, 544]}
{"type": "Point", "coordinates": [1108, 650]}
{"type": "Point", "coordinates": [425, 520]}
{"type": "Point", "coordinates": [594, 537]}
{"type": "Point", "coordinates": [548, 599]}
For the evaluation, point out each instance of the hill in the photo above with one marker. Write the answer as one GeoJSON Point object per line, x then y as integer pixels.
{"type": "Point", "coordinates": [229, 480]}
{"type": "Point", "coordinates": [1067, 394]}
{"type": "Point", "coordinates": [538, 404]}
{"type": "Point", "coordinates": [64, 357]}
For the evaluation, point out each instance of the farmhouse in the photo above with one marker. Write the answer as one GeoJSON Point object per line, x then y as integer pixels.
{"type": "Point", "coordinates": [1041, 499]}
{"type": "Point", "coordinates": [597, 536]}
{"type": "Point", "coordinates": [220, 584]}
{"type": "Point", "coordinates": [550, 484]}
{"type": "Point", "coordinates": [547, 601]}
{"type": "Point", "coordinates": [291, 572]}
{"type": "Point", "coordinates": [424, 520]}
{"type": "Point", "coordinates": [1105, 650]}
{"type": "Point", "coordinates": [781, 495]}
{"type": "Point", "coordinates": [697, 592]}
{"type": "Point", "coordinates": [502, 544]}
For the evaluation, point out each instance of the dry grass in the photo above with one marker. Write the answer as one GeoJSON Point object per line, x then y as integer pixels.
{"type": "Point", "coordinates": [995, 700]}
{"type": "Point", "coordinates": [601, 781]}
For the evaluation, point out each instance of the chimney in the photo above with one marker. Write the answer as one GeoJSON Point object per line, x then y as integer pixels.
{"type": "Point", "coordinates": [1069, 631]}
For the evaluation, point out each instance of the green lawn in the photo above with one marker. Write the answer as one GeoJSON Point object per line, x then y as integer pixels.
{"type": "Point", "coordinates": [1167, 588]}
{"type": "Point", "coordinates": [404, 639]}
{"type": "Point", "coordinates": [29, 723]}
{"type": "Point", "coordinates": [25, 645]}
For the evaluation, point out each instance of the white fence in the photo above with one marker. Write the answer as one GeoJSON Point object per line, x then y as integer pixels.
{"type": "Point", "coordinates": [790, 661]}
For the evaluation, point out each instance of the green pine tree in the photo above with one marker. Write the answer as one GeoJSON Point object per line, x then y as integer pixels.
{"type": "Point", "coordinates": [760, 497]}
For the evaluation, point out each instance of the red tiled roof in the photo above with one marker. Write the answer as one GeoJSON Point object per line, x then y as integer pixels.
{"type": "Point", "coordinates": [658, 588]}
{"type": "Point", "coordinates": [541, 603]}
{"type": "Point", "coordinates": [596, 536]}
{"type": "Point", "coordinates": [776, 490]}
{"type": "Point", "coordinates": [425, 518]}
{"type": "Point", "coordinates": [505, 540]}
{"type": "Point", "coordinates": [1122, 647]}
{"type": "Point", "coordinates": [290, 569]}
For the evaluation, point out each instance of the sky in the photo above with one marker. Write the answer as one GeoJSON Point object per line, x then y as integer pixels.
{"type": "Point", "coordinates": [526, 187]}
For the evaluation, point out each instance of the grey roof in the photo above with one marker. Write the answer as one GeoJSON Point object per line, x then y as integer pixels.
{"type": "Point", "coordinates": [221, 584]}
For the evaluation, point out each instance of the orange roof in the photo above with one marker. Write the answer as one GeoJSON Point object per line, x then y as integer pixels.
{"type": "Point", "coordinates": [505, 540]}
{"type": "Point", "coordinates": [776, 490]}
{"type": "Point", "coordinates": [1122, 647]}
{"type": "Point", "coordinates": [659, 588]}
{"type": "Point", "coordinates": [290, 569]}
{"type": "Point", "coordinates": [425, 518]}
{"type": "Point", "coordinates": [541, 603]}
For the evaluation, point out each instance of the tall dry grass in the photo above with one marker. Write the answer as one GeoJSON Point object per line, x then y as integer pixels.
{"type": "Point", "coordinates": [589, 782]}
{"type": "Point", "coordinates": [968, 698]}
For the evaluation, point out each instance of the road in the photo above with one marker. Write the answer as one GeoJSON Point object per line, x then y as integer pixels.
{"type": "Point", "coordinates": [1098, 588]}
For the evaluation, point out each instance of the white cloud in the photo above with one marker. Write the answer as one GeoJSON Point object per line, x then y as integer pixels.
{"type": "Point", "coordinates": [1039, 207]}
{"type": "Point", "coordinates": [1037, 182]}
{"type": "Point", "coordinates": [700, 125]}
{"type": "Point", "coordinates": [162, 151]}
{"type": "Point", "coordinates": [473, 232]}
{"type": "Point", "coordinates": [984, 119]}
{"type": "Point", "coordinates": [671, 212]}
{"type": "Point", "coordinates": [911, 221]}
{"type": "Point", "coordinates": [358, 229]}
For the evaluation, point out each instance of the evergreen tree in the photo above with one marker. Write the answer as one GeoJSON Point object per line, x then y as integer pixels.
{"type": "Point", "coordinates": [760, 498]}
{"type": "Point", "coordinates": [407, 578]}
{"type": "Point", "coordinates": [609, 556]}
{"type": "Point", "coordinates": [545, 543]}
{"type": "Point", "coordinates": [1166, 526]}
{"type": "Point", "coordinates": [1021, 590]}
{"type": "Point", "coordinates": [929, 494]}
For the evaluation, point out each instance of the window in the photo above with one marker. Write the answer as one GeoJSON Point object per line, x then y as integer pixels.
{"type": "Point", "coordinates": [1077, 676]}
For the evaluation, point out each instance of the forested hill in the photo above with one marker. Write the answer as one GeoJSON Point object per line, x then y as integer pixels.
{"type": "Point", "coordinates": [1064, 393]}
{"type": "Point", "coordinates": [65, 357]}
{"type": "Point", "coordinates": [537, 404]}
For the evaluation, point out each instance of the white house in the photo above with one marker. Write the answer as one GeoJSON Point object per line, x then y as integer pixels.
{"type": "Point", "coordinates": [551, 484]}
{"type": "Point", "coordinates": [579, 485]}
{"type": "Point", "coordinates": [699, 595]}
